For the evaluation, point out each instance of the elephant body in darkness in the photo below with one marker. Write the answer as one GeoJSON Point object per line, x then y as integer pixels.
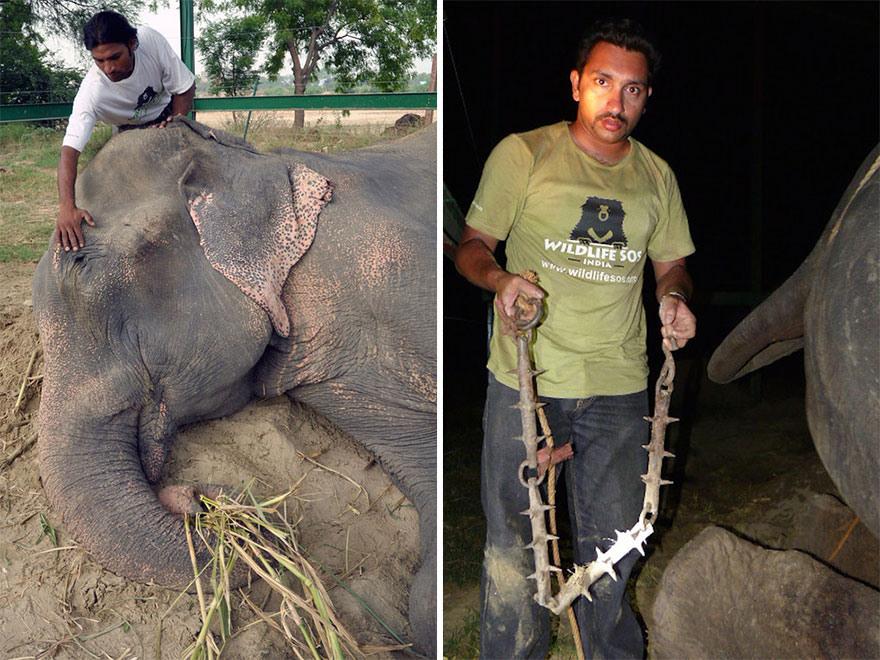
{"type": "Point", "coordinates": [831, 307]}
{"type": "Point", "coordinates": [215, 274]}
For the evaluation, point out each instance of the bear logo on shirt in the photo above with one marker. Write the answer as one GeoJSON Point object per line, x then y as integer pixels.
{"type": "Point", "coordinates": [146, 96]}
{"type": "Point", "coordinates": [601, 222]}
{"type": "Point", "coordinates": [144, 101]}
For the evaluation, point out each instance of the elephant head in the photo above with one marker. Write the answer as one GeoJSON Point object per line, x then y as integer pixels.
{"type": "Point", "coordinates": [831, 307]}
{"type": "Point", "coordinates": [191, 295]}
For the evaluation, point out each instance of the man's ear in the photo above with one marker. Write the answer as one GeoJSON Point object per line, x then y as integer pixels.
{"type": "Point", "coordinates": [575, 83]}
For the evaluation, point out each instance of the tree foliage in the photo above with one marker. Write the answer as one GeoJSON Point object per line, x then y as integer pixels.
{"type": "Point", "coordinates": [28, 71]}
{"type": "Point", "coordinates": [67, 17]}
{"type": "Point", "coordinates": [361, 40]}
{"type": "Point", "coordinates": [230, 49]}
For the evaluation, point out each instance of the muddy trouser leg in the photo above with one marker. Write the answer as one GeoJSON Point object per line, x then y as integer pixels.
{"type": "Point", "coordinates": [512, 624]}
{"type": "Point", "coordinates": [605, 492]}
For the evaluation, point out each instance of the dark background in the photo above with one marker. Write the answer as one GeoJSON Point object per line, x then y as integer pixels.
{"type": "Point", "coordinates": [763, 110]}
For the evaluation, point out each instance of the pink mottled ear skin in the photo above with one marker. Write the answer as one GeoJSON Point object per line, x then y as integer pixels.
{"type": "Point", "coordinates": [287, 233]}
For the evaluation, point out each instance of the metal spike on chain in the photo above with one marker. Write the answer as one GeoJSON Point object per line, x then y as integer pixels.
{"type": "Point", "coordinates": [583, 577]}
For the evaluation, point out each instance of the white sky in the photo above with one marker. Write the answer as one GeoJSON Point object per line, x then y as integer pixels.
{"type": "Point", "coordinates": [166, 21]}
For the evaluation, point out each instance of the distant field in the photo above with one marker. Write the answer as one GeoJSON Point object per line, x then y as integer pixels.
{"type": "Point", "coordinates": [312, 118]}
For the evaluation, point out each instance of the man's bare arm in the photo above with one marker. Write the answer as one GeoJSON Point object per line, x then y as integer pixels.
{"type": "Point", "coordinates": [674, 289]}
{"type": "Point", "coordinates": [475, 260]}
{"type": "Point", "coordinates": [68, 229]}
{"type": "Point", "coordinates": [181, 104]}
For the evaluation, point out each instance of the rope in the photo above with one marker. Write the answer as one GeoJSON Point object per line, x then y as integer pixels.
{"type": "Point", "coordinates": [843, 540]}
{"type": "Point", "coordinates": [551, 500]}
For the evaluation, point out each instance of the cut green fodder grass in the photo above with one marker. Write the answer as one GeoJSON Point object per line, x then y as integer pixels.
{"type": "Point", "coordinates": [256, 533]}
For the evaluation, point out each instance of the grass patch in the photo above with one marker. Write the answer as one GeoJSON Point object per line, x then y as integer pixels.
{"type": "Point", "coordinates": [464, 531]}
{"type": "Point", "coordinates": [464, 525]}
{"type": "Point", "coordinates": [28, 187]}
{"type": "Point", "coordinates": [28, 192]}
{"type": "Point", "coordinates": [464, 641]}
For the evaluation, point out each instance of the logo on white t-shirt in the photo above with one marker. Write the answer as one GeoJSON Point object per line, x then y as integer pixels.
{"type": "Point", "coordinates": [146, 99]}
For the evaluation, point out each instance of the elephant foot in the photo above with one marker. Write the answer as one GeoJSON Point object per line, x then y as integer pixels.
{"type": "Point", "coordinates": [185, 499]}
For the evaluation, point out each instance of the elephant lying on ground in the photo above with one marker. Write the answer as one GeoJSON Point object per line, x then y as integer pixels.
{"type": "Point", "coordinates": [188, 300]}
{"type": "Point", "coordinates": [831, 308]}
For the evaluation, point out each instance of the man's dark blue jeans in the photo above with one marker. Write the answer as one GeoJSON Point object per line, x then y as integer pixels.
{"type": "Point", "coordinates": [605, 492]}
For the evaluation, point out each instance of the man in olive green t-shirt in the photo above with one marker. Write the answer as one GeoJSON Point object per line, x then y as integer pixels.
{"type": "Point", "coordinates": [585, 206]}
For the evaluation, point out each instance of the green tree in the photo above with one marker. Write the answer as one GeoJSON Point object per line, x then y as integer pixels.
{"type": "Point", "coordinates": [67, 17]}
{"type": "Point", "coordinates": [28, 71]}
{"type": "Point", "coordinates": [361, 40]}
{"type": "Point", "coordinates": [230, 48]}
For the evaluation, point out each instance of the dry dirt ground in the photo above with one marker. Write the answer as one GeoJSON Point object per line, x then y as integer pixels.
{"type": "Point", "coordinates": [58, 603]}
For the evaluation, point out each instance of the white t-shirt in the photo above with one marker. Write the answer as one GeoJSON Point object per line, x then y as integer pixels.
{"type": "Point", "coordinates": [140, 98]}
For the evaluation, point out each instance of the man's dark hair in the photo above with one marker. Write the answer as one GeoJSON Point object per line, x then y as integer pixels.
{"type": "Point", "coordinates": [624, 33]}
{"type": "Point", "coordinates": [108, 27]}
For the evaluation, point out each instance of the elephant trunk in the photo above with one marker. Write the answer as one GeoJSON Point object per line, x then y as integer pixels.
{"type": "Point", "coordinates": [93, 478]}
{"type": "Point", "coordinates": [773, 330]}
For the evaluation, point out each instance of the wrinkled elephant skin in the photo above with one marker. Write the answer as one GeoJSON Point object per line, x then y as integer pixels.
{"type": "Point", "coordinates": [831, 308]}
{"type": "Point", "coordinates": [217, 273]}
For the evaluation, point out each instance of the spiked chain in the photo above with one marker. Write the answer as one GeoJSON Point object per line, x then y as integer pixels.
{"type": "Point", "coordinates": [583, 577]}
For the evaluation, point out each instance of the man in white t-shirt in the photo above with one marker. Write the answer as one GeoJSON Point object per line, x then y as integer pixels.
{"type": "Point", "coordinates": [137, 80]}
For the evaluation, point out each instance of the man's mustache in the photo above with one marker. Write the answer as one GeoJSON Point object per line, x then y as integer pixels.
{"type": "Point", "coordinates": [613, 115]}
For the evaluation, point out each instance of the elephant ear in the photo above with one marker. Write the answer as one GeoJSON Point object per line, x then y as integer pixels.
{"type": "Point", "coordinates": [256, 217]}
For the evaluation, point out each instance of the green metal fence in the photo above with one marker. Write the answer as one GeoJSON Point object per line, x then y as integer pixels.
{"type": "Point", "coordinates": [390, 101]}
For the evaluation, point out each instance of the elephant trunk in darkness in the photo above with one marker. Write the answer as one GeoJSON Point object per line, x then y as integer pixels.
{"type": "Point", "coordinates": [773, 330]}
{"type": "Point", "coordinates": [831, 307]}
{"type": "Point", "coordinates": [776, 327]}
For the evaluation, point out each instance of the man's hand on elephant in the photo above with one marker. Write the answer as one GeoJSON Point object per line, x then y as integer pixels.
{"type": "Point", "coordinates": [166, 121]}
{"type": "Point", "coordinates": [508, 290]}
{"type": "Point", "coordinates": [678, 322]}
{"type": "Point", "coordinates": [68, 228]}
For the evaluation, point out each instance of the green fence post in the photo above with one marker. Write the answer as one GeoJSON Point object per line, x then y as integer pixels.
{"type": "Point", "coordinates": [248, 122]}
{"type": "Point", "coordinates": [187, 44]}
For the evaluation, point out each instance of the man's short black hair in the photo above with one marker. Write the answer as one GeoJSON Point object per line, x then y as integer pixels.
{"type": "Point", "coordinates": [624, 33]}
{"type": "Point", "coordinates": [108, 27]}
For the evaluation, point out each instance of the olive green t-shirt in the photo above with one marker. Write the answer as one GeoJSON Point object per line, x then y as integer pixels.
{"type": "Point", "coordinates": [586, 229]}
